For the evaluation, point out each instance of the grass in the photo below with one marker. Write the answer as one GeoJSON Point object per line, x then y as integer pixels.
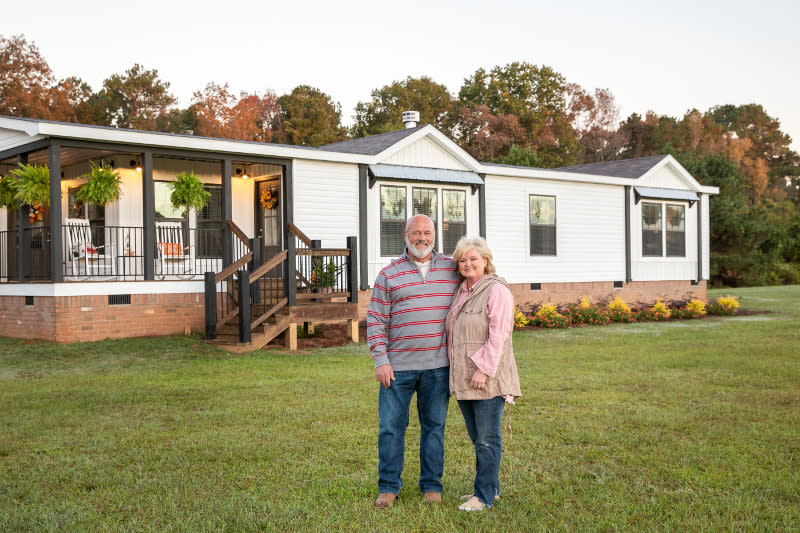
{"type": "Point", "coordinates": [676, 426]}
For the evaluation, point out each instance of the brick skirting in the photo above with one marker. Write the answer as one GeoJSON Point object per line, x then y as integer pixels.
{"type": "Point", "coordinates": [637, 293]}
{"type": "Point", "coordinates": [90, 318]}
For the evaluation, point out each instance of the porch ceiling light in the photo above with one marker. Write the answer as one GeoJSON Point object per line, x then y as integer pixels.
{"type": "Point", "coordinates": [242, 172]}
{"type": "Point", "coordinates": [136, 163]}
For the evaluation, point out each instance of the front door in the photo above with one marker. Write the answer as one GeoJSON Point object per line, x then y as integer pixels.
{"type": "Point", "coordinates": [269, 209]}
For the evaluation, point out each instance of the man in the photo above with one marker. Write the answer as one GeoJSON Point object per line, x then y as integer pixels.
{"type": "Point", "coordinates": [407, 339]}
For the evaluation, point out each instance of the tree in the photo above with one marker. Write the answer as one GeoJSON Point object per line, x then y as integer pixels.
{"type": "Point", "coordinates": [384, 113]}
{"type": "Point", "coordinates": [520, 156]}
{"type": "Point", "coordinates": [486, 136]}
{"type": "Point", "coordinates": [538, 96]}
{"type": "Point", "coordinates": [135, 99]}
{"type": "Point", "coordinates": [595, 121]}
{"type": "Point", "coordinates": [309, 117]}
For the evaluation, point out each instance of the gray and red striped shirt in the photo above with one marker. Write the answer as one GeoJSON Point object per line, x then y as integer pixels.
{"type": "Point", "coordinates": [405, 318]}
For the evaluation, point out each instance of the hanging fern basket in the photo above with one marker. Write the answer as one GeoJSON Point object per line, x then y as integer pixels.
{"type": "Point", "coordinates": [103, 185]}
{"type": "Point", "coordinates": [188, 192]}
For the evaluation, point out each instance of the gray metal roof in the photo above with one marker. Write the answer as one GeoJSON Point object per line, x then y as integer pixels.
{"type": "Point", "coordinates": [372, 145]}
{"type": "Point", "coordinates": [624, 168]}
{"type": "Point", "coordinates": [425, 174]}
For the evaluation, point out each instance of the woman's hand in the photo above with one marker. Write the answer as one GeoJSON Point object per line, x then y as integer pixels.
{"type": "Point", "coordinates": [478, 380]}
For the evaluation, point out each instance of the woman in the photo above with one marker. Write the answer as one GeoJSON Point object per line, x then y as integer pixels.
{"type": "Point", "coordinates": [483, 372]}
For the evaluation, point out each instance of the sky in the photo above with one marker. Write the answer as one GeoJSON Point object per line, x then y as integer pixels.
{"type": "Point", "coordinates": [668, 57]}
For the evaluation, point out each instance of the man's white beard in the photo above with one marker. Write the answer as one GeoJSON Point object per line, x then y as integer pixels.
{"type": "Point", "coordinates": [415, 251]}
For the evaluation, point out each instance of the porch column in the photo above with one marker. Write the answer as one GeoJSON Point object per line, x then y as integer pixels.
{"type": "Point", "coordinates": [22, 258]}
{"type": "Point", "coordinates": [148, 216]}
{"type": "Point", "coordinates": [699, 237]}
{"type": "Point", "coordinates": [56, 241]}
{"type": "Point", "coordinates": [227, 211]}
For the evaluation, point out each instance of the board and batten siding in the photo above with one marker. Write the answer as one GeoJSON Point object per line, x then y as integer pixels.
{"type": "Point", "coordinates": [326, 201]}
{"type": "Point", "coordinates": [590, 231]}
{"type": "Point", "coordinates": [425, 153]}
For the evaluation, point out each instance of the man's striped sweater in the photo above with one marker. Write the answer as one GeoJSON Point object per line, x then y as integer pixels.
{"type": "Point", "coordinates": [405, 319]}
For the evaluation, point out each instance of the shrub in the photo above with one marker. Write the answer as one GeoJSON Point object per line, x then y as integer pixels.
{"type": "Point", "coordinates": [586, 313]}
{"type": "Point", "coordinates": [548, 317]}
{"type": "Point", "coordinates": [659, 311]}
{"type": "Point", "coordinates": [725, 305]}
{"type": "Point", "coordinates": [694, 309]}
{"type": "Point", "coordinates": [618, 311]}
{"type": "Point", "coordinates": [520, 320]}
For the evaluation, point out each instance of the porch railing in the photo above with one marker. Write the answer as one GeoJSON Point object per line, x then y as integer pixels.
{"type": "Point", "coordinates": [253, 289]}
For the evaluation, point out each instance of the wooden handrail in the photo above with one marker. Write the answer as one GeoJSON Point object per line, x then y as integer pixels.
{"type": "Point", "coordinates": [233, 267]}
{"type": "Point", "coordinates": [322, 252]}
{"type": "Point", "coordinates": [274, 309]}
{"type": "Point", "coordinates": [294, 230]}
{"type": "Point", "coordinates": [269, 265]}
{"type": "Point", "coordinates": [239, 233]}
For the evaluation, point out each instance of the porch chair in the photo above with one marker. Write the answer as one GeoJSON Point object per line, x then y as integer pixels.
{"type": "Point", "coordinates": [172, 257]}
{"type": "Point", "coordinates": [83, 257]}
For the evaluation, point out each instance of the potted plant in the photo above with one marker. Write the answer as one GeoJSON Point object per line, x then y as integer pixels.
{"type": "Point", "coordinates": [188, 192]}
{"type": "Point", "coordinates": [33, 188]}
{"type": "Point", "coordinates": [104, 184]}
{"type": "Point", "coordinates": [324, 275]}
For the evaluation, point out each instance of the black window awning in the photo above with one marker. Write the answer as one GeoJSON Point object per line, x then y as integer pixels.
{"type": "Point", "coordinates": [657, 193]}
{"type": "Point", "coordinates": [438, 175]}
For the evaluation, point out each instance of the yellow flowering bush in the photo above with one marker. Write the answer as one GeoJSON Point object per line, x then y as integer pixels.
{"type": "Point", "coordinates": [586, 313]}
{"type": "Point", "coordinates": [725, 305]}
{"type": "Point", "coordinates": [548, 317]}
{"type": "Point", "coordinates": [659, 311]}
{"type": "Point", "coordinates": [520, 320]}
{"type": "Point", "coordinates": [619, 311]}
{"type": "Point", "coordinates": [694, 309]}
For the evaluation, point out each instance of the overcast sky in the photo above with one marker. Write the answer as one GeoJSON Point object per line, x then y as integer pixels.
{"type": "Point", "coordinates": [668, 57]}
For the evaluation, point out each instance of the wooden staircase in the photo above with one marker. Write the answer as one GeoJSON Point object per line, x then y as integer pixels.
{"type": "Point", "coordinates": [261, 335]}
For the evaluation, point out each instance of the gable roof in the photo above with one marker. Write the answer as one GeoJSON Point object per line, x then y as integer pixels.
{"type": "Point", "coordinates": [625, 168]}
{"type": "Point", "coordinates": [372, 145]}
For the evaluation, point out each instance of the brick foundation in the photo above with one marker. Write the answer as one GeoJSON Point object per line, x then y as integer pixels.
{"type": "Point", "coordinates": [90, 318]}
{"type": "Point", "coordinates": [636, 294]}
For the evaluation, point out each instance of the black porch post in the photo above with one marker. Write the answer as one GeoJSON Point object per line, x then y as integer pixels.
{"type": "Point", "coordinates": [227, 212]}
{"type": "Point", "coordinates": [699, 237]}
{"type": "Point", "coordinates": [628, 269]}
{"type": "Point", "coordinates": [56, 247]}
{"type": "Point", "coordinates": [22, 258]}
{"type": "Point", "coordinates": [482, 207]}
{"type": "Point", "coordinates": [352, 271]}
{"type": "Point", "coordinates": [148, 216]}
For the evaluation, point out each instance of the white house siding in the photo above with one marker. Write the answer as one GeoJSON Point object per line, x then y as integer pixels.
{"type": "Point", "coordinates": [663, 268]}
{"type": "Point", "coordinates": [706, 229]}
{"type": "Point", "coordinates": [590, 231]}
{"type": "Point", "coordinates": [12, 138]}
{"type": "Point", "coordinates": [425, 153]}
{"type": "Point", "coordinates": [326, 201]}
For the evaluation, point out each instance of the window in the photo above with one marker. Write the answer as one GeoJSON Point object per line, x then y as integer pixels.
{"type": "Point", "coordinates": [670, 217]}
{"type": "Point", "coordinates": [651, 230]}
{"type": "Point", "coordinates": [423, 202]}
{"type": "Point", "coordinates": [95, 214]}
{"type": "Point", "coordinates": [542, 225]}
{"type": "Point", "coordinates": [454, 220]}
{"type": "Point", "coordinates": [210, 224]}
{"type": "Point", "coordinates": [164, 209]}
{"type": "Point", "coordinates": [676, 230]}
{"type": "Point", "coordinates": [393, 220]}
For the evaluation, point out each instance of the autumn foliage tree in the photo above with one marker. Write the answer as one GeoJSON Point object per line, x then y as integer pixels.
{"type": "Point", "coordinates": [251, 117]}
{"type": "Point", "coordinates": [135, 99]}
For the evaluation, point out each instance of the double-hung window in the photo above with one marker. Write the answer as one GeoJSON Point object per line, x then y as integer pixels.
{"type": "Point", "coordinates": [663, 229]}
{"type": "Point", "coordinates": [393, 220]}
{"type": "Point", "coordinates": [454, 218]}
{"type": "Point", "coordinates": [542, 225]}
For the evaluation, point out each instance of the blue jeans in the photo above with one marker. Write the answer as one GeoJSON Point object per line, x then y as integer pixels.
{"type": "Point", "coordinates": [433, 395]}
{"type": "Point", "coordinates": [483, 419]}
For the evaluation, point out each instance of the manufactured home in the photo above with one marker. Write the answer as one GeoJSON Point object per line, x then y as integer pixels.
{"type": "Point", "coordinates": [296, 234]}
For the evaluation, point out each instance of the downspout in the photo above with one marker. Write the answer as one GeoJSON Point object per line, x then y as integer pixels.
{"type": "Point", "coordinates": [700, 238]}
{"type": "Point", "coordinates": [482, 207]}
{"type": "Point", "coordinates": [628, 276]}
{"type": "Point", "coordinates": [363, 180]}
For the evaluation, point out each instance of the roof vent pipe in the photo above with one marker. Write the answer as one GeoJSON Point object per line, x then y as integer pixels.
{"type": "Point", "coordinates": [410, 119]}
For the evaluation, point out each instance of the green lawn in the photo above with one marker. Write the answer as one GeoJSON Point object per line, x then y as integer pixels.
{"type": "Point", "coordinates": [676, 426]}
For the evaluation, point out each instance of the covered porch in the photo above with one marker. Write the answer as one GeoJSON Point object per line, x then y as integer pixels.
{"type": "Point", "coordinates": [245, 231]}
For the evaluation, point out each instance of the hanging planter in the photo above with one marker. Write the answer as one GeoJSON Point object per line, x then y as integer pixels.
{"type": "Point", "coordinates": [104, 184]}
{"type": "Point", "coordinates": [8, 191]}
{"type": "Point", "coordinates": [188, 192]}
{"type": "Point", "coordinates": [33, 184]}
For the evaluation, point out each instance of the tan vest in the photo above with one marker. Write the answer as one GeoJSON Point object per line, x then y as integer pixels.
{"type": "Point", "coordinates": [467, 331]}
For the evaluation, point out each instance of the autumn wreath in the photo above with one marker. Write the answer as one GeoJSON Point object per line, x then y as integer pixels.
{"type": "Point", "coordinates": [269, 199]}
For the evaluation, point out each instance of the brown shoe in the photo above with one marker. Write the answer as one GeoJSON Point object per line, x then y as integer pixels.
{"type": "Point", "coordinates": [432, 497]}
{"type": "Point", "coordinates": [385, 499]}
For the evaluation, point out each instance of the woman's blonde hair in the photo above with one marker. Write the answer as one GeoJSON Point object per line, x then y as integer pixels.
{"type": "Point", "coordinates": [465, 244]}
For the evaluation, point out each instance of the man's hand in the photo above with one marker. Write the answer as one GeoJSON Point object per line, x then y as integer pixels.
{"type": "Point", "coordinates": [385, 375]}
{"type": "Point", "coordinates": [478, 380]}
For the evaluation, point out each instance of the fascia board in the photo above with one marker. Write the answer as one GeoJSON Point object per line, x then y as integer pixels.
{"type": "Point", "coordinates": [436, 136]}
{"type": "Point", "coordinates": [544, 174]}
